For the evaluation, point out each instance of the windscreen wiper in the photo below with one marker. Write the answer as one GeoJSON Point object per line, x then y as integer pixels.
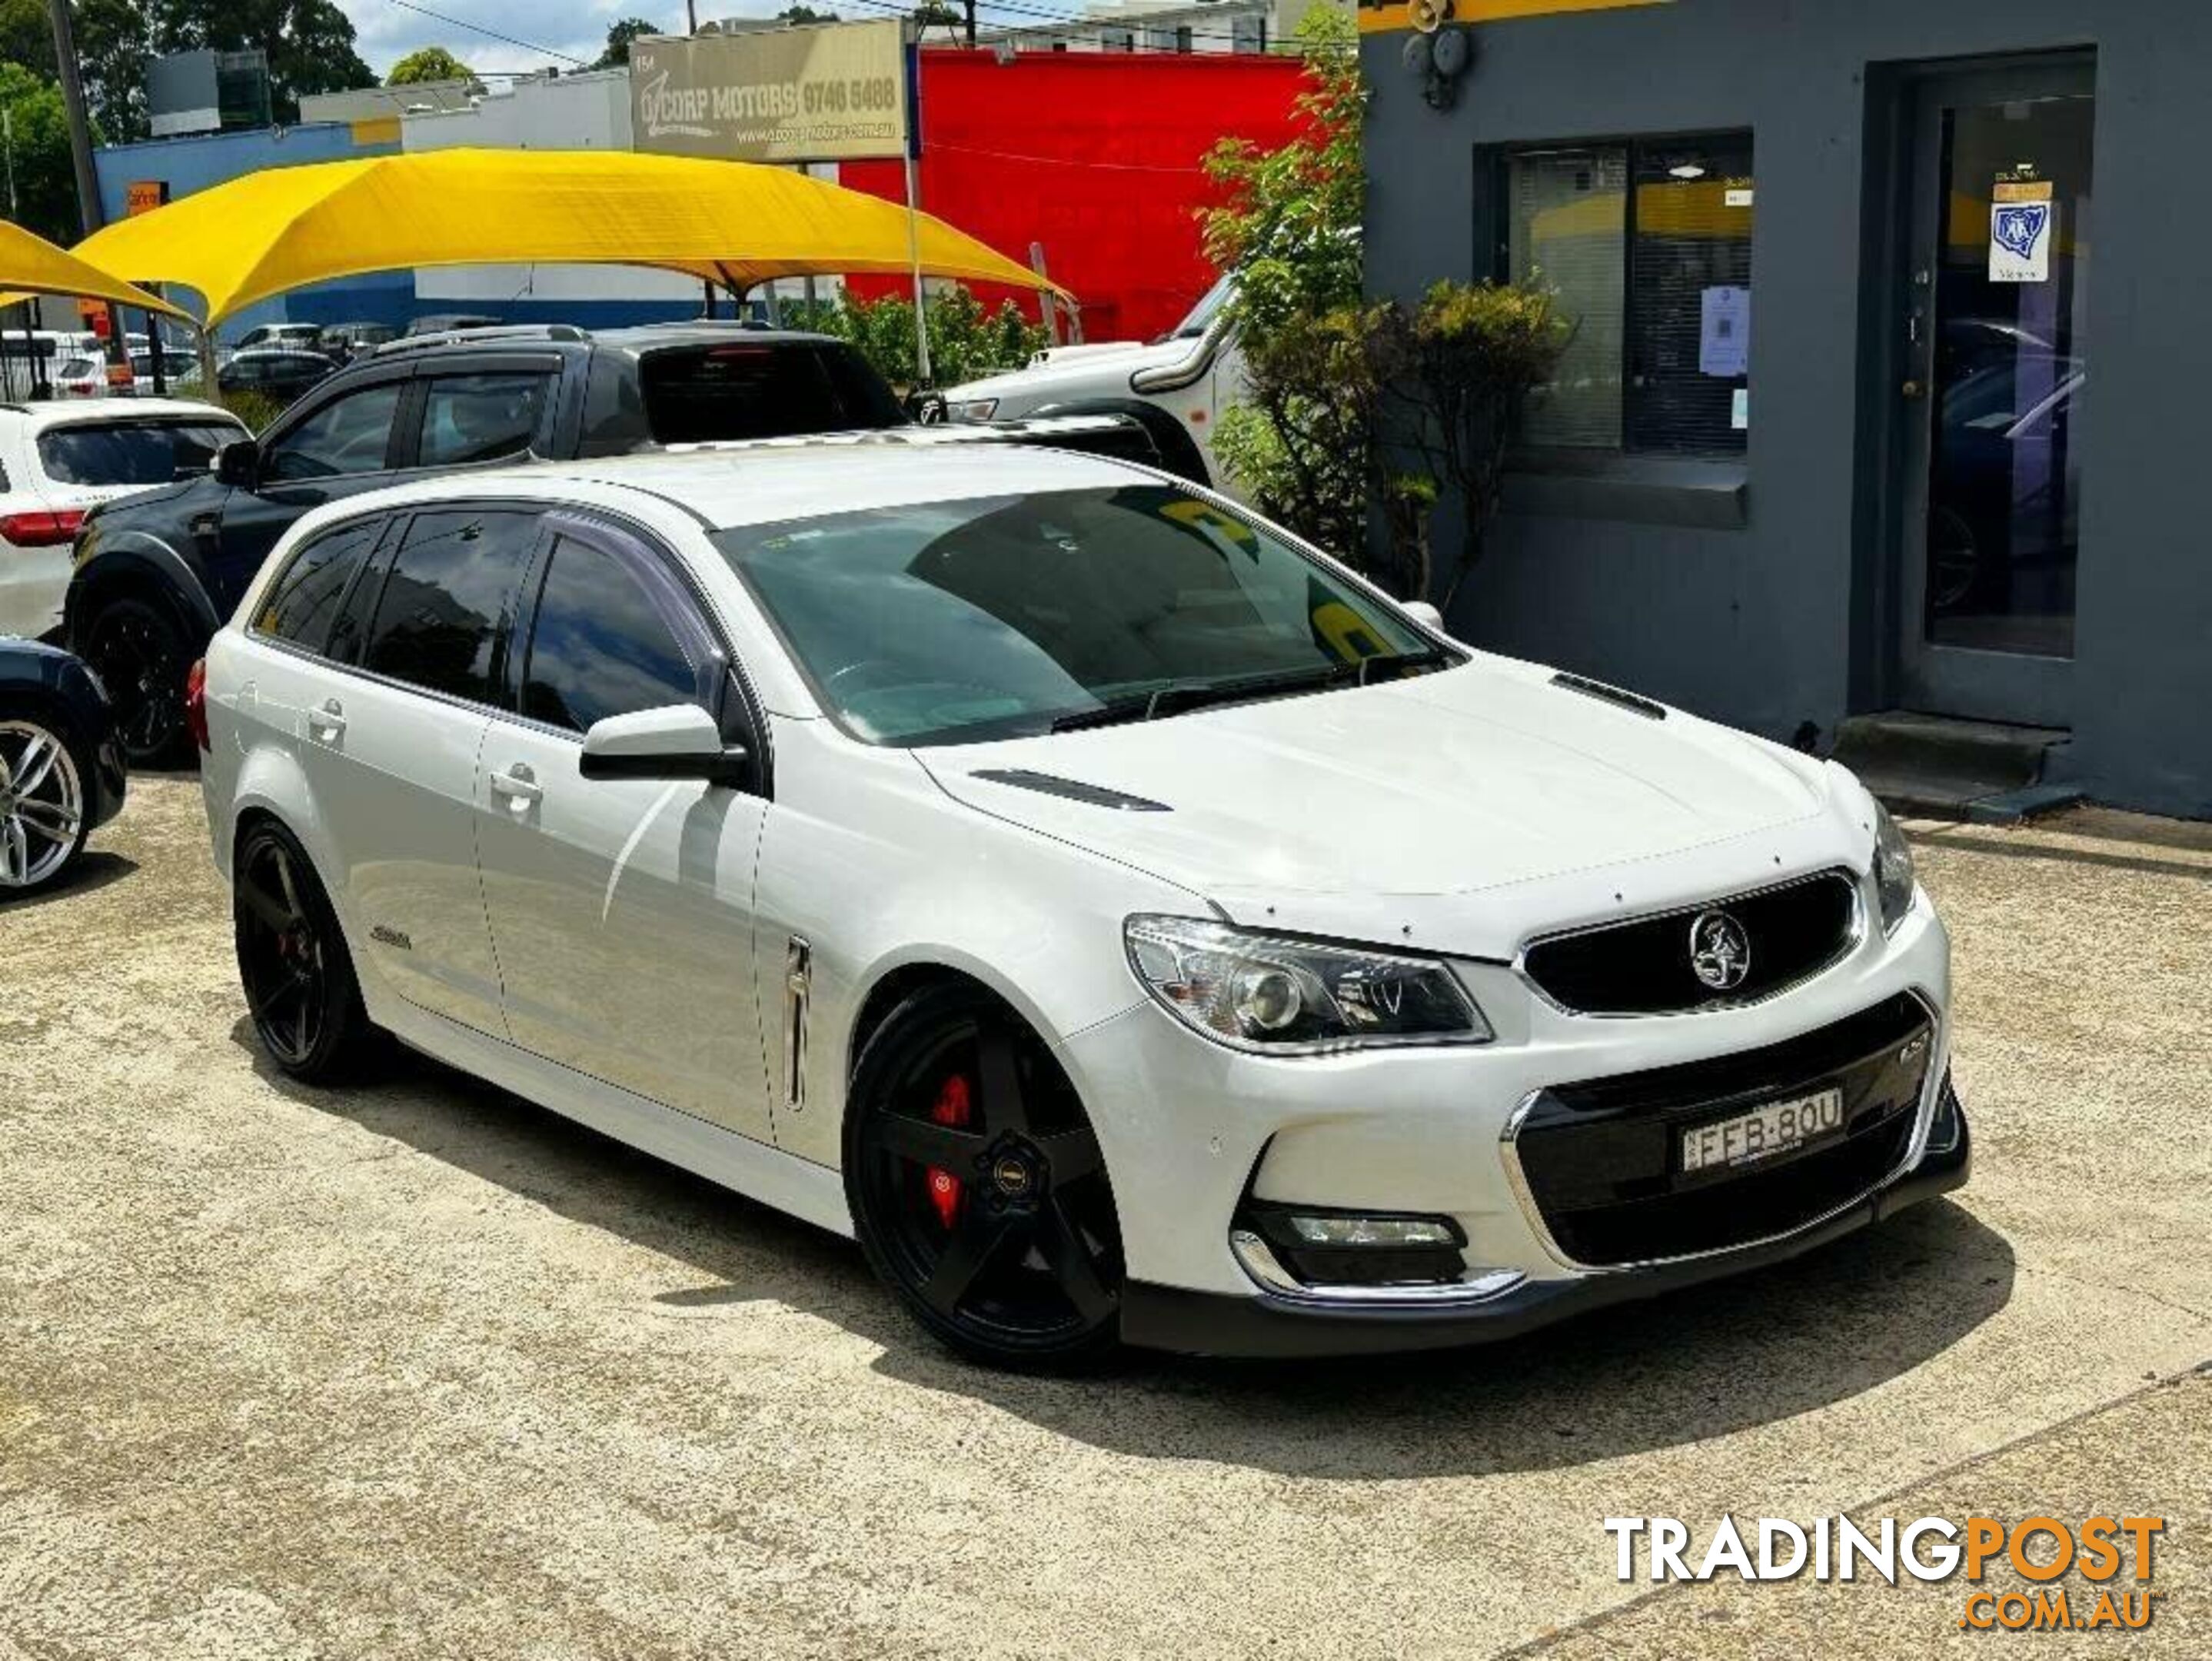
{"type": "Point", "coordinates": [1179, 695]}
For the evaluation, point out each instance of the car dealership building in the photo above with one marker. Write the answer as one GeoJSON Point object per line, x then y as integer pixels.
{"type": "Point", "coordinates": [1826, 441]}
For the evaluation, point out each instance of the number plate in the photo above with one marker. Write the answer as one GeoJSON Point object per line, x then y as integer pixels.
{"type": "Point", "coordinates": [1763, 1132]}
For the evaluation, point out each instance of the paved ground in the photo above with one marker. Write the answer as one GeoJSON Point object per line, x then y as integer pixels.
{"type": "Point", "coordinates": [423, 1372]}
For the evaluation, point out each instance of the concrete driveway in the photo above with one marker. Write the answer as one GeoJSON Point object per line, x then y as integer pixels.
{"type": "Point", "coordinates": [422, 1371]}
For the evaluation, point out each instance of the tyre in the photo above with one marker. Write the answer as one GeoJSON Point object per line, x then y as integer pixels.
{"type": "Point", "coordinates": [138, 650]}
{"type": "Point", "coordinates": [45, 816]}
{"type": "Point", "coordinates": [293, 963]}
{"type": "Point", "coordinates": [977, 1185]}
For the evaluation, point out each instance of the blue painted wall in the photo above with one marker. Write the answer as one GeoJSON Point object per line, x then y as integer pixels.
{"type": "Point", "coordinates": [197, 162]}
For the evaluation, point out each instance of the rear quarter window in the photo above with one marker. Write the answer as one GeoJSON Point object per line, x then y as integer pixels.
{"type": "Point", "coordinates": [304, 597]}
{"type": "Point", "coordinates": [747, 389]}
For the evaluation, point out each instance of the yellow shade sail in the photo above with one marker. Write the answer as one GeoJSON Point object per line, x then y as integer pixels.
{"type": "Point", "coordinates": [732, 223]}
{"type": "Point", "coordinates": [32, 265]}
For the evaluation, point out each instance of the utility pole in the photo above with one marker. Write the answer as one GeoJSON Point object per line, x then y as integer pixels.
{"type": "Point", "coordinates": [968, 6]}
{"type": "Point", "coordinates": [88, 176]}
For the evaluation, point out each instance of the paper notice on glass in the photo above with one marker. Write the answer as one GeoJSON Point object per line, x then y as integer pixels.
{"type": "Point", "coordinates": [1724, 333]}
{"type": "Point", "coordinates": [2023, 224]}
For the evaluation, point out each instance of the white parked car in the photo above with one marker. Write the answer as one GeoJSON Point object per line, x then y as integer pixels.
{"type": "Point", "coordinates": [58, 460]}
{"type": "Point", "coordinates": [1122, 919]}
{"type": "Point", "coordinates": [1177, 387]}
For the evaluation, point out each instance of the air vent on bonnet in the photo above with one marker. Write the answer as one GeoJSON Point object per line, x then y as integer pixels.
{"type": "Point", "coordinates": [1613, 694]}
{"type": "Point", "coordinates": [1095, 795]}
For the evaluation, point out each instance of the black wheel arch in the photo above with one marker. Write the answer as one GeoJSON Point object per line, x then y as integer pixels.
{"type": "Point", "coordinates": [141, 567]}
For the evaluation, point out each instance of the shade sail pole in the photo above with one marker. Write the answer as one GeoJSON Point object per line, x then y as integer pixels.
{"type": "Point", "coordinates": [912, 67]}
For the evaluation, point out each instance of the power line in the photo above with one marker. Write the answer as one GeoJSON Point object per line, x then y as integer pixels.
{"type": "Point", "coordinates": [492, 34]}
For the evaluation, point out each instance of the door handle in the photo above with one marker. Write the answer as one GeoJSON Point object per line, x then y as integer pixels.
{"type": "Point", "coordinates": [519, 786]}
{"type": "Point", "coordinates": [327, 725]}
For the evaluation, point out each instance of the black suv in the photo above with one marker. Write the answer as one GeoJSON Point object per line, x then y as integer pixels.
{"type": "Point", "coordinates": [156, 573]}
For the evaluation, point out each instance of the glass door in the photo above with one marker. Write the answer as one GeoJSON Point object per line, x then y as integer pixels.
{"type": "Point", "coordinates": [1998, 389]}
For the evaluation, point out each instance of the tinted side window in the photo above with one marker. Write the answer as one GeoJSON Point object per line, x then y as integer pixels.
{"type": "Point", "coordinates": [447, 601]}
{"type": "Point", "coordinates": [481, 418]}
{"type": "Point", "coordinates": [605, 643]}
{"type": "Point", "coordinates": [759, 389]}
{"type": "Point", "coordinates": [350, 435]}
{"type": "Point", "coordinates": [302, 601]}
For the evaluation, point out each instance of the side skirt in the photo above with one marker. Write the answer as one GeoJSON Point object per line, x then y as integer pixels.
{"type": "Point", "coordinates": [812, 1193]}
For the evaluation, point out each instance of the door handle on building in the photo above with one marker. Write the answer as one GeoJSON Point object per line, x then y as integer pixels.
{"type": "Point", "coordinates": [518, 785]}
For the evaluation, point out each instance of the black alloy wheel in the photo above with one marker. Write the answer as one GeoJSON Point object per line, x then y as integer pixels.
{"type": "Point", "coordinates": [138, 652]}
{"type": "Point", "coordinates": [293, 962]}
{"type": "Point", "coordinates": [977, 1185]}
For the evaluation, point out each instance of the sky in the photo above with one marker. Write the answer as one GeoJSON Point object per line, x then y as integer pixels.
{"type": "Point", "coordinates": [385, 32]}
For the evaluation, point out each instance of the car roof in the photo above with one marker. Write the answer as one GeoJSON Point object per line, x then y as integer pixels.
{"type": "Point", "coordinates": [762, 483]}
{"type": "Point", "coordinates": [108, 410]}
{"type": "Point", "coordinates": [650, 337]}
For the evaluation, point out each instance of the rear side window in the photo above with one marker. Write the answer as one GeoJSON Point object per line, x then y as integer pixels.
{"type": "Point", "coordinates": [607, 643]}
{"type": "Point", "coordinates": [350, 434]}
{"type": "Point", "coordinates": [447, 602]}
{"type": "Point", "coordinates": [132, 451]}
{"type": "Point", "coordinates": [481, 418]}
{"type": "Point", "coordinates": [761, 389]}
{"type": "Point", "coordinates": [304, 599]}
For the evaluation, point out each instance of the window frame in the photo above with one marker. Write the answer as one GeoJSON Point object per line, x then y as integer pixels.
{"type": "Point", "coordinates": [416, 415]}
{"type": "Point", "coordinates": [736, 704]}
{"type": "Point", "coordinates": [312, 404]}
{"type": "Point", "coordinates": [1500, 236]}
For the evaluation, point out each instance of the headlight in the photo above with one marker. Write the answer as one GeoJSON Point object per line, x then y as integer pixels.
{"type": "Point", "coordinates": [1294, 997]}
{"type": "Point", "coordinates": [974, 409]}
{"type": "Point", "coordinates": [1892, 869]}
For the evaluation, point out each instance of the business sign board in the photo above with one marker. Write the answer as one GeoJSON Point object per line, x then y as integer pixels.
{"type": "Point", "coordinates": [835, 93]}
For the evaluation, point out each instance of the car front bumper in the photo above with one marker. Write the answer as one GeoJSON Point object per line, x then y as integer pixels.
{"type": "Point", "coordinates": [1194, 1134]}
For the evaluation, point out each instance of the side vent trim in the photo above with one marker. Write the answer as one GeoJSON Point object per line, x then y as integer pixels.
{"type": "Point", "coordinates": [1094, 795]}
{"type": "Point", "coordinates": [798, 993]}
{"type": "Point", "coordinates": [1611, 695]}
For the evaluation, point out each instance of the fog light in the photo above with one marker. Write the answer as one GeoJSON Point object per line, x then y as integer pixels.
{"type": "Point", "coordinates": [1352, 1230]}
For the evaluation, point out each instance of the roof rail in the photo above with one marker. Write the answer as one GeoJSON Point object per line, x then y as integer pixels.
{"type": "Point", "coordinates": [499, 335]}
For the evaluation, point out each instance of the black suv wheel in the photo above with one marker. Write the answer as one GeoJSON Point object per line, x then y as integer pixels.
{"type": "Point", "coordinates": [136, 647]}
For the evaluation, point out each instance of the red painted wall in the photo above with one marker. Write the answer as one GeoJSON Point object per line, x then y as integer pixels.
{"type": "Point", "coordinates": [1096, 156]}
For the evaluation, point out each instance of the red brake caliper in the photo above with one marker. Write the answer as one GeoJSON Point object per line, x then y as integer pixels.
{"type": "Point", "coordinates": [951, 1107]}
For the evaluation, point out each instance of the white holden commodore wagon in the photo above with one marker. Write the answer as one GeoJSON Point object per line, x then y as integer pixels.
{"type": "Point", "coordinates": [1125, 922]}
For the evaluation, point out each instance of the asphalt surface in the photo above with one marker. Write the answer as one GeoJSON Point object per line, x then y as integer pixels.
{"type": "Point", "coordinates": [422, 1371]}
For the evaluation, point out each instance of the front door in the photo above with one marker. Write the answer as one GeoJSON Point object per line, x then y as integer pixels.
{"type": "Point", "coordinates": [1996, 389]}
{"type": "Point", "coordinates": [622, 908]}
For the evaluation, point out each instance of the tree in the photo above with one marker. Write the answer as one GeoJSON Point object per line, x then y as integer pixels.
{"type": "Point", "coordinates": [114, 37]}
{"type": "Point", "coordinates": [620, 35]}
{"type": "Point", "coordinates": [1288, 226]}
{"type": "Point", "coordinates": [933, 13]}
{"type": "Point", "coordinates": [805, 13]}
{"type": "Point", "coordinates": [427, 63]}
{"type": "Point", "coordinates": [27, 39]}
{"type": "Point", "coordinates": [45, 177]}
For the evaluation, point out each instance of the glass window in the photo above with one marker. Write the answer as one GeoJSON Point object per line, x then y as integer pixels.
{"type": "Point", "coordinates": [1117, 40]}
{"type": "Point", "coordinates": [132, 451]}
{"type": "Point", "coordinates": [302, 601]}
{"type": "Point", "coordinates": [1247, 34]}
{"type": "Point", "coordinates": [350, 434]}
{"type": "Point", "coordinates": [448, 600]}
{"type": "Point", "coordinates": [1649, 246]}
{"type": "Point", "coordinates": [480, 418]}
{"type": "Point", "coordinates": [957, 621]}
{"type": "Point", "coordinates": [754, 389]}
{"type": "Point", "coordinates": [604, 643]}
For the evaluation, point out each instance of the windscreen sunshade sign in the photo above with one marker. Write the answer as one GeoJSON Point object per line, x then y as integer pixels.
{"type": "Point", "coordinates": [833, 94]}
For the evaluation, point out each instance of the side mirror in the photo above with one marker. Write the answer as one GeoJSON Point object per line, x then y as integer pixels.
{"type": "Point", "coordinates": [1424, 614]}
{"type": "Point", "coordinates": [237, 462]}
{"type": "Point", "coordinates": [675, 741]}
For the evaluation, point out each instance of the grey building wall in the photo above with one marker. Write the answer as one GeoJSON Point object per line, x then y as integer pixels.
{"type": "Point", "coordinates": [1787, 615]}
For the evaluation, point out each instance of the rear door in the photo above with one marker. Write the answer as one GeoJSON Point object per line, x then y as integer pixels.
{"type": "Point", "coordinates": [391, 736]}
{"type": "Point", "coordinates": [622, 909]}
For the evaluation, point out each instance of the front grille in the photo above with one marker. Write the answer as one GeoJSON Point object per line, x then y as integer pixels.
{"type": "Point", "coordinates": [1602, 1160]}
{"type": "Point", "coordinates": [1644, 967]}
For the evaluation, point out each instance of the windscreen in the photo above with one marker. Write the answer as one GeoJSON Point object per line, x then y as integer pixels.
{"type": "Point", "coordinates": [761, 389]}
{"type": "Point", "coordinates": [132, 451]}
{"type": "Point", "coordinates": [953, 622]}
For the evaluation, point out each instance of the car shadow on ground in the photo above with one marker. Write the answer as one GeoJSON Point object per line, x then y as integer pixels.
{"type": "Point", "coordinates": [1721, 1357]}
{"type": "Point", "coordinates": [92, 870]}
